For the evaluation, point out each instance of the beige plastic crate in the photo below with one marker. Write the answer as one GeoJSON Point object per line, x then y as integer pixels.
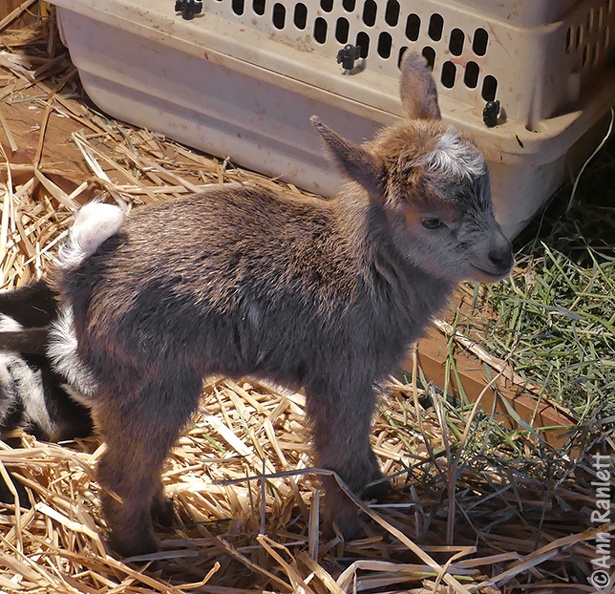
{"type": "Point", "coordinates": [242, 79]}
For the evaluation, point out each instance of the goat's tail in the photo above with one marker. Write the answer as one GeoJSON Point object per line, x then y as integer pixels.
{"type": "Point", "coordinates": [94, 224]}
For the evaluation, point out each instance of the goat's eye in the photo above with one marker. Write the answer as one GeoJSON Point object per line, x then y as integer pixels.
{"type": "Point", "coordinates": [432, 223]}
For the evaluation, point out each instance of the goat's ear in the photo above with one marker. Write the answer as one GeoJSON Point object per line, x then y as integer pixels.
{"type": "Point", "coordinates": [419, 97]}
{"type": "Point", "coordinates": [359, 164]}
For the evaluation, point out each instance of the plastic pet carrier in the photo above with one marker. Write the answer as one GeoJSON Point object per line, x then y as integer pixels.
{"type": "Point", "coordinates": [240, 78]}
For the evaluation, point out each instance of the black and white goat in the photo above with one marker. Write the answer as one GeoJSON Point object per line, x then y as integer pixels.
{"type": "Point", "coordinates": [33, 396]}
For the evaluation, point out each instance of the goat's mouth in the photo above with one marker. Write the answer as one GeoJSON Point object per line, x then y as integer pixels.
{"type": "Point", "coordinates": [489, 276]}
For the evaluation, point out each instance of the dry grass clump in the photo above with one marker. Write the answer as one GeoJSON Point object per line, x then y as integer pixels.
{"type": "Point", "coordinates": [475, 508]}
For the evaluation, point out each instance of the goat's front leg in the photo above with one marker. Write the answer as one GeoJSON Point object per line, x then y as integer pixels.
{"type": "Point", "coordinates": [341, 423]}
{"type": "Point", "coordinates": [139, 431]}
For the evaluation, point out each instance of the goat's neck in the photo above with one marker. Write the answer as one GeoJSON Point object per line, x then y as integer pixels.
{"type": "Point", "coordinates": [383, 268]}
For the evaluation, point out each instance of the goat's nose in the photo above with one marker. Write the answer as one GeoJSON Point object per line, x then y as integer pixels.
{"type": "Point", "coordinates": [501, 255]}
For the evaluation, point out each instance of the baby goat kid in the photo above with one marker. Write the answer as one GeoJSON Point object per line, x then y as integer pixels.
{"type": "Point", "coordinates": [33, 396]}
{"type": "Point", "coordinates": [326, 295]}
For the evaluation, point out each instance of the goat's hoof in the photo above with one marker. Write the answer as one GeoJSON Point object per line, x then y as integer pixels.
{"type": "Point", "coordinates": [378, 490]}
{"type": "Point", "coordinates": [128, 547]}
{"type": "Point", "coordinates": [163, 513]}
{"type": "Point", "coordinates": [347, 524]}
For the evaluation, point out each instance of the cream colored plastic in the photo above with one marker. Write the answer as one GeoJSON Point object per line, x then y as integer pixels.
{"type": "Point", "coordinates": [241, 84]}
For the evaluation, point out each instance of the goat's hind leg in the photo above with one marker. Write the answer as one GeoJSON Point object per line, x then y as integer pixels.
{"type": "Point", "coordinates": [139, 431]}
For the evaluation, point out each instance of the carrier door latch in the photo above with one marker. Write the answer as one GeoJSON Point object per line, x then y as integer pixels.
{"type": "Point", "coordinates": [490, 113]}
{"type": "Point", "coordinates": [347, 57]}
{"type": "Point", "coordinates": [188, 8]}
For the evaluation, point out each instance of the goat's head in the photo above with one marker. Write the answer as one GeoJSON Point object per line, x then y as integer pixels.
{"type": "Point", "coordinates": [433, 185]}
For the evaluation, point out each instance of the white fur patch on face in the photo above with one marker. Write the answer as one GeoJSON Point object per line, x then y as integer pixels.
{"type": "Point", "coordinates": [94, 224]}
{"type": "Point", "coordinates": [456, 158]}
{"type": "Point", "coordinates": [62, 352]}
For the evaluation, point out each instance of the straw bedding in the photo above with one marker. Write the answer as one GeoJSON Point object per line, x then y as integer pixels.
{"type": "Point", "coordinates": [475, 507]}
